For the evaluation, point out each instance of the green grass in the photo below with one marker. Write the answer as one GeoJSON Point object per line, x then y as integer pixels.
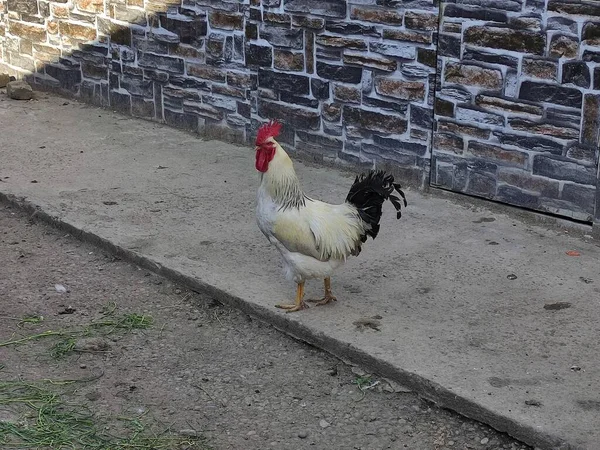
{"type": "Point", "coordinates": [64, 347]}
{"type": "Point", "coordinates": [45, 415]}
{"type": "Point", "coordinates": [45, 420]}
{"type": "Point", "coordinates": [109, 324]}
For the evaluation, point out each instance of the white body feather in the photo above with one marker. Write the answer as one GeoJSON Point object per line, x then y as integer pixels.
{"type": "Point", "coordinates": [313, 237]}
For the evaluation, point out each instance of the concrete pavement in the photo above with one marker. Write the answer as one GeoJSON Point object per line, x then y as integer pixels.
{"type": "Point", "coordinates": [483, 313]}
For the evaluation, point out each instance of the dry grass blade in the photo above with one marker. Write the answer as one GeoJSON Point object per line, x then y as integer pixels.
{"type": "Point", "coordinates": [46, 420]}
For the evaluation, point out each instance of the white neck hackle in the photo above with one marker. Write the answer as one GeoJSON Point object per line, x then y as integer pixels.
{"type": "Point", "coordinates": [280, 180]}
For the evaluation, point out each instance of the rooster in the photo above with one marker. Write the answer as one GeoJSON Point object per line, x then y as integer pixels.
{"type": "Point", "coordinates": [314, 237]}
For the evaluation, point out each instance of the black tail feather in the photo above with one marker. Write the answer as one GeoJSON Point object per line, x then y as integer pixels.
{"type": "Point", "coordinates": [368, 193]}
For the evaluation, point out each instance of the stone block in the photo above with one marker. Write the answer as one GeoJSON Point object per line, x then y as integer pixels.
{"type": "Point", "coordinates": [473, 115]}
{"type": "Point", "coordinates": [531, 143]}
{"type": "Point", "coordinates": [313, 23]}
{"type": "Point", "coordinates": [585, 153]}
{"type": "Point", "coordinates": [159, 62]}
{"type": "Point", "coordinates": [423, 21]}
{"type": "Point", "coordinates": [277, 18]}
{"type": "Point", "coordinates": [189, 29]}
{"type": "Point", "coordinates": [91, 6]}
{"type": "Point", "coordinates": [559, 168]}
{"type": "Point", "coordinates": [523, 179]}
{"type": "Point", "coordinates": [523, 41]}
{"type": "Point", "coordinates": [346, 27]}
{"type": "Point", "coordinates": [408, 52]}
{"type": "Point", "coordinates": [577, 73]}
{"type": "Point", "coordinates": [449, 45]}
{"type": "Point", "coordinates": [346, 94]}
{"type": "Point", "coordinates": [481, 184]}
{"type": "Point", "coordinates": [498, 154]}
{"type": "Point", "coordinates": [296, 117]}
{"type": "Point", "coordinates": [544, 128]}
{"type": "Point", "coordinates": [344, 74]}
{"type": "Point", "coordinates": [341, 42]}
{"type": "Point", "coordinates": [582, 196]}
{"type": "Point", "coordinates": [286, 97]}
{"type": "Point", "coordinates": [68, 77]}
{"type": "Point", "coordinates": [516, 196]}
{"type": "Point", "coordinates": [19, 90]}
{"type": "Point", "coordinates": [141, 107]}
{"type": "Point", "coordinates": [563, 46]}
{"type": "Point", "coordinates": [472, 75]}
{"type": "Point", "coordinates": [374, 121]}
{"type": "Point", "coordinates": [590, 133]}
{"type": "Point", "coordinates": [327, 8]}
{"type": "Point", "coordinates": [506, 105]}
{"type": "Point", "coordinates": [371, 61]}
{"type": "Point", "coordinates": [472, 12]}
{"type": "Point", "coordinates": [421, 117]}
{"type": "Point", "coordinates": [377, 15]}
{"type": "Point", "coordinates": [490, 58]}
{"type": "Point", "coordinates": [550, 93]}
{"type": "Point", "coordinates": [575, 7]}
{"type": "Point", "coordinates": [4, 79]}
{"type": "Point", "coordinates": [332, 112]}
{"type": "Point", "coordinates": [443, 107]}
{"type": "Point", "coordinates": [259, 55]}
{"type": "Point", "coordinates": [427, 57]}
{"type": "Point", "coordinates": [24, 30]}
{"type": "Point", "coordinates": [22, 6]}
{"type": "Point", "coordinates": [462, 129]}
{"type": "Point", "coordinates": [279, 81]}
{"type": "Point", "coordinates": [540, 68]}
{"type": "Point", "coordinates": [565, 24]}
{"type": "Point", "coordinates": [120, 102]}
{"type": "Point", "coordinates": [401, 145]}
{"type": "Point", "coordinates": [401, 89]}
{"type": "Point", "coordinates": [319, 88]}
{"type": "Point", "coordinates": [591, 33]}
{"type": "Point", "coordinates": [448, 142]}
{"type": "Point", "coordinates": [408, 36]}
{"type": "Point", "coordinates": [78, 31]}
{"type": "Point", "coordinates": [184, 121]}
{"type": "Point", "coordinates": [283, 37]}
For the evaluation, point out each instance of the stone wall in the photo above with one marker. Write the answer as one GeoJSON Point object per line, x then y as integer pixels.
{"type": "Point", "coordinates": [515, 83]}
{"type": "Point", "coordinates": [352, 81]}
{"type": "Point", "coordinates": [518, 103]}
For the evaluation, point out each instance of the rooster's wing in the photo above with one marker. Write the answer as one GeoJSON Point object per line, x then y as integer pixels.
{"type": "Point", "coordinates": [320, 230]}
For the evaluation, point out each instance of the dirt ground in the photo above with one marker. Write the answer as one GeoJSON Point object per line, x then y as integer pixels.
{"type": "Point", "coordinates": [97, 353]}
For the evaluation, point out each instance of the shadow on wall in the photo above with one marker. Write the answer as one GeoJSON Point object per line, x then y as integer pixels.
{"type": "Point", "coordinates": [221, 67]}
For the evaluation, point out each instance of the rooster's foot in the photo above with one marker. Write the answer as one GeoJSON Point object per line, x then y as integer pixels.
{"type": "Point", "coordinates": [299, 302]}
{"type": "Point", "coordinates": [293, 307]}
{"type": "Point", "coordinates": [323, 301]}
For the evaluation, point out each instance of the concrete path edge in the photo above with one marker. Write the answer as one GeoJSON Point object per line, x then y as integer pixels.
{"type": "Point", "coordinates": [431, 391]}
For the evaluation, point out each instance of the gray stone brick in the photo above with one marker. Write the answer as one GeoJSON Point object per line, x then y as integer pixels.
{"type": "Point", "coordinates": [328, 8]}
{"type": "Point", "coordinates": [551, 93]}
{"type": "Point", "coordinates": [563, 169]}
{"type": "Point", "coordinates": [515, 196]}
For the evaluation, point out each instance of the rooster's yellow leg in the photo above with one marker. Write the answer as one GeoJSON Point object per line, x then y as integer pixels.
{"type": "Point", "coordinates": [299, 301]}
{"type": "Point", "coordinates": [328, 294]}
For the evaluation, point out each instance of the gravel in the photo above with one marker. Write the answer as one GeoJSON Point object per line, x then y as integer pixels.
{"type": "Point", "coordinates": [202, 368]}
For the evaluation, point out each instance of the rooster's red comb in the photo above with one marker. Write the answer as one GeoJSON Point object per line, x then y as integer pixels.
{"type": "Point", "coordinates": [270, 129]}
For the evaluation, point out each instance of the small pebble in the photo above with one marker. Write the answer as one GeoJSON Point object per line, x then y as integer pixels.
{"type": "Point", "coordinates": [188, 432]}
{"type": "Point", "coordinates": [303, 435]}
{"type": "Point", "coordinates": [484, 441]}
{"type": "Point", "coordinates": [82, 366]}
